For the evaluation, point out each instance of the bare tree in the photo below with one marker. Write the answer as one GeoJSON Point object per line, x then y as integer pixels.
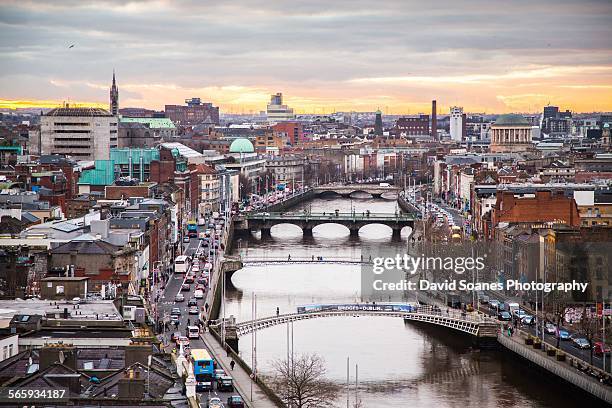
{"type": "Point", "coordinates": [301, 383]}
{"type": "Point", "coordinates": [588, 328]}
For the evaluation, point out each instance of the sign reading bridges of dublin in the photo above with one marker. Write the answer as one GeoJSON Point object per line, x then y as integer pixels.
{"type": "Point", "coordinates": [357, 307]}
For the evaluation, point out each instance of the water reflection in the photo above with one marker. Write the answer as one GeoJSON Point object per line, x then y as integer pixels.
{"type": "Point", "coordinates": [400, 364]}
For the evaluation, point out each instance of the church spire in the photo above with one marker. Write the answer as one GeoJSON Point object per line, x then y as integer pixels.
{"type": "Point", "coordinates": [114, 97]}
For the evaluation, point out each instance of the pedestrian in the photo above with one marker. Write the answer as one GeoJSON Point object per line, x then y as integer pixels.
{"type": "Point", "coordinates": [232, 364]}
{"type": "Point", "coordinates": [227, 350]}
{"type": "Point", "coordinates": [289, 257]}
{"type": "Point", "coordinates": [188, 322]}
{"type": "Point", "coordinates": [313, 258]}
{"type": "Point", "coordinates": [277, 311]}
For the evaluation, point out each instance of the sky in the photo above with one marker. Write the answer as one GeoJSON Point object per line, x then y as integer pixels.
{"type": "Point", "coordinates": [485, 55]}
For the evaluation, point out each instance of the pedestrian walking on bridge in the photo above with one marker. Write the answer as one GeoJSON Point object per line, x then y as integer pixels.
{"type": "Point", "coordinates": [232, 364]}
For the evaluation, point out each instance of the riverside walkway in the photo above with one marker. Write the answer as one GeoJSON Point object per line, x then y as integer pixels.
{"type": "Point", "coordinates": [568, 369]}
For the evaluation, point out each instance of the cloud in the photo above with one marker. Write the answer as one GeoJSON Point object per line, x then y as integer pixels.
{"type": "Point", "coordinates": [345, 53]}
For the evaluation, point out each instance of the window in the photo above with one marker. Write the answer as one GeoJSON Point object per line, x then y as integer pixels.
{"type": "Point", "coordinates": [10, 350]}
{"type": "Point", "coordinates": [4, 352]}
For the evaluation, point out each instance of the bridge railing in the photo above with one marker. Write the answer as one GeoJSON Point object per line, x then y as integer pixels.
{"type": "Point", "coordinates": [329, 216]}
{"type": "Point", "coordinates": [311, 259]}
{"type": "Point", "coordinates": [451, 313]}
{"type": "Point", "coordinates": [419, 310]}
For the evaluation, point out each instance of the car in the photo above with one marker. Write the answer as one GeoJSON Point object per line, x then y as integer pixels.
{"type": "Point", "coordinates": [550, 328]}
{"type": "Point", "coordinates": [201, 280]}
{"type": "Point", "coordinates": [504, 316]}
{"type": "Point", "coordinates": [235, 401]}
{"type": "Point", "coordinates": [189, 279]}
{"type": "Point", "coordinates": [225, 383]}
{"type": "Point", "coordinates": [195, 268]}
{"type": "Point", "coordinates": [179, 297]}
{"type": "Point", "coordinates": [519, 313]}
{"type": "Point", "coordinates": [563, 335]}
{"type": "Point", "coordinates": [493, 304]}
{"type": "Point", "coordinates": [215, 403]}
{"type": "Point", "coordinates": [600, 348]}
{"type": "Point", "coordinates": [529, 320]}
{"type": "Point", "coordinates": [186, 239]}
{"type": "Point", "coordinates": [175, 336]}
{"type": "Point", "coordinates": [193, 310]}
{"type": "Point", "coordinates": [200, 286]}
{"type": "Point", "coordinates": [175, 311]}
{"type": "Point", "coordinates": [581, 343]}
{"type": "Point", "coordinates": [184, 340]}
{"type": "Point", "coordinates": [199, 294]}
{"type": "Point", "coordinates": [218, 373]}
{"type": "Point", "coordinates": [185, 287]}
{"type": "Point", "coordinates": [192, 302]}
{"type": "Point", "coordinates": [175, 318]}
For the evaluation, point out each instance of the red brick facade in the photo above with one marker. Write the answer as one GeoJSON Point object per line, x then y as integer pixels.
{"type": "Point", "coordinates": [294, 131]}
{"type": "Point", "coordinates": [546, 206]}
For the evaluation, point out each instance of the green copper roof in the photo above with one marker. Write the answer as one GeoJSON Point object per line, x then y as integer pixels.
{"type": "Point", "coordinates": [154, 123]}
{"type": "Point", "coordinates": [123, 155]}
{"type": "Point", "coordinates": [511, 119]}
{"type": "Point", "coordinates": [241, 146]}
{"type": "Point", "coordinates": [102, 175]}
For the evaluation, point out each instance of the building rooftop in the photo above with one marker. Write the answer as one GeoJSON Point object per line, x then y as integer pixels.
{"type": "Point", "coordinates": [102, 309]}
{"type": "Point", "coordinates": [182, 149]}
{"type": "Point", "coordinates": [511, 119]}
{"type": "Point", "coordinates": [67, 111]}
{"type": "Point", "coordinates": [152, 123]}
{"type": "Point", "coordinates": [241, 145]}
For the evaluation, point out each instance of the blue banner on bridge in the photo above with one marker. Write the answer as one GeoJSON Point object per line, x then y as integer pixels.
{"type": "Point", "coordinates": [358, 307]}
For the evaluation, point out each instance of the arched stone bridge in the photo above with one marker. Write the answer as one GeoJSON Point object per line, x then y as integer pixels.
{"type": "Point", "coordinates": [348, 189]}
{"type": "Point", "coordinates": [264, 221]}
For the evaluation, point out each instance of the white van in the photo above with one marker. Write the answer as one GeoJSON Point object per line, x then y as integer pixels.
{"type": "Point", "coordinates": [512, 307]}
{"type": "Point", "coordinates": [193, 332]}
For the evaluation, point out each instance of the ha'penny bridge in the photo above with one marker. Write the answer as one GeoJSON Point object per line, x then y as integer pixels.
{"type": "Point", "coordinates": [483, 329]}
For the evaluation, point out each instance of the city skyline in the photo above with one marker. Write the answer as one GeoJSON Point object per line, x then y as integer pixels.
{"type": "Point", "coordinates": [324, 58]}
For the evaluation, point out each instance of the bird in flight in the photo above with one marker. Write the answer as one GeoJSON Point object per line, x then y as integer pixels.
{"type": "Point", "coordinates": [72, 45]}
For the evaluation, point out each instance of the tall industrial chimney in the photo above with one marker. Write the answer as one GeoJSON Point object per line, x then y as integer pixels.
{"type": "Point", "coordinates": [434, 120]}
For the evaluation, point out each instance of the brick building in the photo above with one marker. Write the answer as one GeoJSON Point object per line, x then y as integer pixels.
{"type": "Point", "coordinates": [293, 130]}
{"type": "Point", "coordinates": [539, 207]}
{"type": "Point", "coordinates": [413, 126]}
{"type": "Point", "coordinates": [195, 112]}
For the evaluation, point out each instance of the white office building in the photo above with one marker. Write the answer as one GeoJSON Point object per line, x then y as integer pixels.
{"type": "Point", "coordinates": [276, 111]}
{"type": "Point", "coordinates": [83, 133]}
{"type": "Point", "coordinates": [456, 123]}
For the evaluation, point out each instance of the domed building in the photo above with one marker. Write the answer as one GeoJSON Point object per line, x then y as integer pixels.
{"type": "Point", "coordinates": [241, 146]}
{"type": "Point", "coordinates": [511, 133]}
{"type": "Point", "coordinates": [244, 159]}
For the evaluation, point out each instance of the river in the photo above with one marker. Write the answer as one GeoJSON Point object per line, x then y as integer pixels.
{"type": "Point", "coordinates": [399, 364]}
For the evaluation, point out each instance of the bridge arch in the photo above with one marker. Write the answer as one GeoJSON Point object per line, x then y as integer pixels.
{"type": "Point", "coordinates": [344, 227]}
{"type": "Point", "coordinates": [387, 227]}
{"type": "Point", "coordinates": [294, 229]}
{"type": "Point", "coordinates": [389, 195]}
{"type": "Point", "coordinates": [364, 194]}
{"type": "Point", "coordinates": [329, 194]}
